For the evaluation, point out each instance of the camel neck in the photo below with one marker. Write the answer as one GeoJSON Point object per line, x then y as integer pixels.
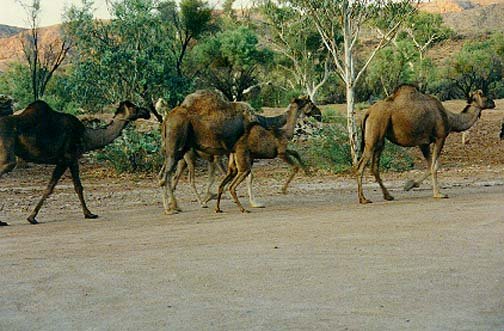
{"type": "Point", "coordinates": [292, 114]}
{"type": "Point", "coordinates": [101, 137]}
{"type": "Point", "coordinates": [464, 120]}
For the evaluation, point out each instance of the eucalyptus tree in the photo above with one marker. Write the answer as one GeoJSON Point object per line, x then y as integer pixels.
{"type": "Point", "coordinates": [231, 60]}
{"type": "Point", "coordinates": [129, 56]}
{"type": "Point", "coordinates": [305, 60]}
{"type": "Point", "coordinates": [340, 23]}
{"type": "Point", "coordinates": [191, 19]}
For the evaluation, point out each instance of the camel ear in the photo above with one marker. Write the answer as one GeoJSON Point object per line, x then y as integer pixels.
{"type": "Point", "coordinates": [474, 95]}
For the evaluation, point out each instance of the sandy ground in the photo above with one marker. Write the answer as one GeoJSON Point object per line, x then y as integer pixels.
{"type": "Point", "coordinates": [312, 260]}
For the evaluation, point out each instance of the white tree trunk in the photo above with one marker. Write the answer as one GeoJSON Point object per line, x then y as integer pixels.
{"type": "Point", "coordinates": [350, 85]}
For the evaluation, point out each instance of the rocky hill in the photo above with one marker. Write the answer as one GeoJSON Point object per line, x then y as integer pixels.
{"type": "Point", "coordinates": [466, 17]}
{"type": "Point", "coordinates": [11, 49]}
{"type": "Point", "coordinates": [7, 30]}
{"type": "Point", "coordinates": [456, 6]}
{"type": "Point", "coordinates": [477, 20]}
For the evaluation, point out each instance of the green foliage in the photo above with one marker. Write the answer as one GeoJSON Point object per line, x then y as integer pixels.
{"type": "Point", "coordinates": [479, 65]}
{"type": "Point", "coordinates": [329, 150]}
{"type": "Point", "coordinates": [301, 56]}
{"type": "Point", "coordinates": [16, 83]}
{"type": "Point", "coordinates": [390, 69]}
{"type": "Point", "coordinates": [128, 57]}
{"type": "Point", "coordinates": [230, 61]}
{"type": "Point", "coordinates": [133, 151]}
{"type": "Point", "coordinates": [195, 17]}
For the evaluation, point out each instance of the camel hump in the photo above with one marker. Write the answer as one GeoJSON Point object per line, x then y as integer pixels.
{"type": "Point", "coordinates": [205, 98]}
{"type": "Point", "coordinates": [209, 103]}
{"type": "Point", "coordinates": [404, 90]}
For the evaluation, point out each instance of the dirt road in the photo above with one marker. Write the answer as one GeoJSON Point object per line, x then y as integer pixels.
{"type": "Point", "coordinates": [312, 260]}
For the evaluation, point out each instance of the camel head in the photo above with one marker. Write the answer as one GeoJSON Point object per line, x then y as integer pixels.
{"type": "Point", "coordinates": [478, 99]}
{"type": "Point", "coordinates": [308, 108]}
{"type": "Point", "coordinates": [128, 111]}
{"type": "Point", "coordinates": [6, 107]}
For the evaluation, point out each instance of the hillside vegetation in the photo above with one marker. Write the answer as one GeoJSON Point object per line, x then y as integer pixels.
{"type": "Point", "coordinates": [265, 56]}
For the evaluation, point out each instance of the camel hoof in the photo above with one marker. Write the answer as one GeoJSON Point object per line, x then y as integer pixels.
{"type": "Point", "coordinates": [162, 182]}
{"type": "Point", "coordinates": [3, 224]}
{"type": "Point", "coordinates": [410, 184]}
{"type": "Point", "coordinates": [32, 220]}
{"type": "Point", "coordinates": [218, 211]}
{"type": "Point", "coordinates": [365, 201]}
{"type": "Point", "coordinates": [284, 191]}
{"type": "Point", "coordinates": [255, 204]}
{"type": "Point", "coordinates": [203, 205]}
{"type": "Point", "coordinates": [209, 197]}
{"type": "Point", "coordinates": [441, 196]}
{"type": "Point", "coordinates": [171, 211]}
{"type": "Point", "coordinates": [90, 216]}
{"type": "Point", "coordinates": [389, 198]}
{"type": "Point", "coordinates": [245, 211]}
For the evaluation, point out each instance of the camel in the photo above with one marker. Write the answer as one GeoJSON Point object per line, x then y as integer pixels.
{"type": "Point", "coordinates": [207, 123]}
{"type": "Point", "coordinates": [214, 162]}
{"type": "Point", "coordinates": [6, 107]}
{"type": "Point", "coordinates": [410, 118]}
{"type": "Point", "coordinates": [42, 135]}
{"type": "Point", "coordinates": [259, 142]}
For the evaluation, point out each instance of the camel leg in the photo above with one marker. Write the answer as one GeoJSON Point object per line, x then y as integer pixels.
{"type": "Point", "coordinates": [169, 201]}
{"type": "Point", "coordinates": [74, 169]}
{"type": "Point", "coordinates": [438, 147]}
{"type": "Point", "coordinates": [375, 169]}
{"type": "Point", "coordinates": [5, 168]}
{"type": "Point", "coordinates": [361, 165]}
{"type": "Point", "coordinates": [231, 173]}
{"type": "Point", "coordinates": [181, 166]}
{"type": "Point", "coordinates": [253, 203]}
{"type": "Point", "coordinates": [189, 159]}
{"type": "Point", "coordinates": [210, 181]}
{"type": "Point", "coordinates": [7, 156]}
{"type": "Point", "coordinates": [411, 183]}
{"type": "Point", "coordinates": [57, 173]}
{"type": "Point", "coordinates": [7, 160]}
{"type": "Point", "coordinates": [234, 184]}
{"type": "Point", "coordinates": [295, 167]}
{"type": "Point", "coordinates": [220, 166]}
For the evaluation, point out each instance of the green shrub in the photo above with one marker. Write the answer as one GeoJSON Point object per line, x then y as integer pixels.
{"type": "Point", "coordinates": [329, 150]}
{"type": "Point", "coordinates": [133, 152]}
{"type": "Point", "coordinates": [395, 158]}
{"type": "Point", "coordinates": [330, 115]}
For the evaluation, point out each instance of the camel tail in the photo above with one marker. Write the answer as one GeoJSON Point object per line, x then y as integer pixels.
{"type": "Point", "coordinates": [363, 133]}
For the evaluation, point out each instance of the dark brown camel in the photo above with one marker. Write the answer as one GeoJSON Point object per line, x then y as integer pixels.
{"type": "Point", "coordinates": [261, 143]}
{"type": "Point", "coordinates": [6, 107]}
{"type": "Point", "coordinates": [205, 122]}
{"type": "Point", "coordinates": [42, 135]}
{"type": "Point", "coordinates": [410, 118]}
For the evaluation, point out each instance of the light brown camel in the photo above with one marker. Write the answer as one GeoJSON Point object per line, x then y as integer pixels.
{"type": "Point", "coordinates": [42, 135]}
{"type": "Point", "coordinates": [188, 161]}
{"type": "Point", "coordinates": [205, 122]}
{"type": "Point", "coordinates": [261, 143]}
{"type": "Point", "coordinates": [410, 118]}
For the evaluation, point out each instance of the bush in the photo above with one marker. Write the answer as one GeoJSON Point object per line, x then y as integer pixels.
{"type": "Point", "coordinates": [329, 150]}
{"type": "Point", "coordinates": [133, 152]}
